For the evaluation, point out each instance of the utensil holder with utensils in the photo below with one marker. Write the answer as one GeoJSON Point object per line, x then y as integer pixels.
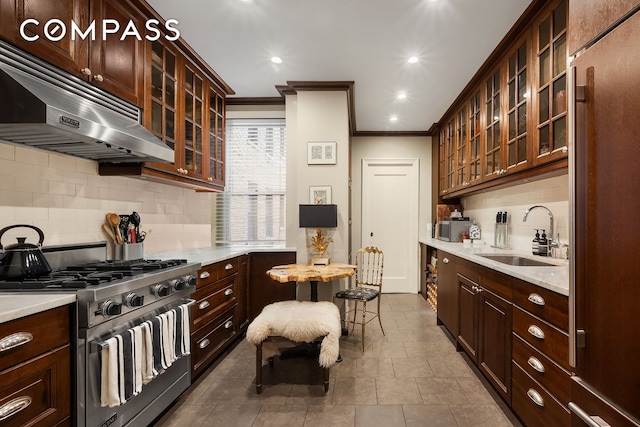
{"type": "Point", "coordinates": [128, 251]}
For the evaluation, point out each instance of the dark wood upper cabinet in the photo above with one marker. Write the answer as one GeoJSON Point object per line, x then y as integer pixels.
{"type": "Point", "coordinates": [510, 122]}
{"type": "Point", "coordinates": [114, 65]}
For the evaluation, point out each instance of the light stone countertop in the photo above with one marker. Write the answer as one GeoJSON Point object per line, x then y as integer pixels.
{"type": "Point", "coordinates": [554, 278]}
{"type": "Point", "coordinates": [16, 305]}
{"type": "Point", "coordinates": [213, 254]}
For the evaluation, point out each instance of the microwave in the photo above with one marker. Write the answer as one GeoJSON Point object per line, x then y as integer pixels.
{"type": "Point", "coordinates": [451, 229]}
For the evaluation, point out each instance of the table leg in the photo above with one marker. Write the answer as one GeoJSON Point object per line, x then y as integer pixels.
{"type": "Point", "coordinates": [314, 290]}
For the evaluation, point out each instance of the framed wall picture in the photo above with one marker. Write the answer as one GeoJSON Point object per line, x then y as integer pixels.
{"type": "Point", "coordinates": [321, 153]}
{"type": "Point", "coordinates": [320, 195]}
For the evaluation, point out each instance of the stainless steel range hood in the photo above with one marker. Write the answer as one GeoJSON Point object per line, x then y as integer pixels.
{"type": "Point", "coordinates": [43, 107]}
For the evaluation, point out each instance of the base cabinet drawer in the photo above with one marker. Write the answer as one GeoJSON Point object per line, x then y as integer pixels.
{"type": "Point", "coordinates": [212, 300]}
{"type": "Point", "coordinates": [37, 393]}
{"type": "Point", "coordinates": [539, 367]}
{"type": "Point", "coordinates": [210, 340]}
{"type": "Point", "coordinates": [29, 336]}
{"type": "Point", "coordinates": [543, 336]}
{"type": "Point", "coordinates": [533, 403]}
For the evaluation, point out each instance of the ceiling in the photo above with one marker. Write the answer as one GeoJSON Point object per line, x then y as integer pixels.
{"type": "Point", "coordinates": [364, 41]}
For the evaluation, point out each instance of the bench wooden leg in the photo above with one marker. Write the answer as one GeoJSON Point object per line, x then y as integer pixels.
{"type": "Point", "coordinates": [259, 368]}
{"type": "Point", "coordinates": [326, 379]}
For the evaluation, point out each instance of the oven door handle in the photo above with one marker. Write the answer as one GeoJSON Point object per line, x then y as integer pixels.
{"type": "Point", "coordinates": [98, 346]}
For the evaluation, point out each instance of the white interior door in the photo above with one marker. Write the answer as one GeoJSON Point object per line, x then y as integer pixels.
{"type": "Point", "coordinates": [390, 194]}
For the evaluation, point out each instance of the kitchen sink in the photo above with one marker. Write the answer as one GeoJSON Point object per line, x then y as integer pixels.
{"type": "Point", "coordinates": [518, 260]}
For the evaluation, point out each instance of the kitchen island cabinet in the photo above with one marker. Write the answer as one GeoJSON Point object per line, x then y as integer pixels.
{"type": "Point", "coordinates": [35, 369]}
{"type": "Point", "coordinates": [114, 65]}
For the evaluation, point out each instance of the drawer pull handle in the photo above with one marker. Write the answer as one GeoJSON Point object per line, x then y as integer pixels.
{"type": "Point", "coordinates": [228, 324]}
{"type": "Point", "coordinates": [535, 397]}
{"type": "Point", "coordinates": [14, 406]}
{"type": "Point", "coordinates": [445, 260]}
{"type": "Point", "coordinates": [203, 305]}
{"type": "Point", "coordinates": [536, 332]}
{"type": "Point", "coordinates": [591, 421]}
{"type": "Point", "coordinates": [536, 299]}
{"type": "Point", "coordinates": [536, 364]}
{"type": "Point", "coordinates": [228, 292]}
{"type": "Point", "coordinates": [228, 266]}
{"type": "Point", "coordinates": [204, 343]}
{"type": "Point", "coordinates": [205, 275]}
{"type": "Point", "coordinates": [15, 340]}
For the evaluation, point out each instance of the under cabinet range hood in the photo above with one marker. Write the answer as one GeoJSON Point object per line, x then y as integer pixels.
{"type": "Point", "coordinates": [43, 107]}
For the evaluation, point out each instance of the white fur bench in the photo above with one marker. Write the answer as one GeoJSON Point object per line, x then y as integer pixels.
{"type": "Point", "coordinates": [298, 321]}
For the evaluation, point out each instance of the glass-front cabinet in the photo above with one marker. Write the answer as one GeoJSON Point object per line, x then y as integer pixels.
{"type": "Point", "coordinates": [475, 131]}
{"type": "Point", "coordinates": [511, 120]}
{"type": "Point", "coordinates": [492, 150]}
{"type": "Point", "coordinates": [193, 163]}
{"type": "Point", "coordinates": [551, 52]}
{"type": "Point", "coordinates": [518, 93]}
{"type": "Point", "coordinates": [216, 137]}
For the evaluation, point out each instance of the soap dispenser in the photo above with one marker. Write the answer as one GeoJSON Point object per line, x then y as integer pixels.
{"type": "Point", "coordinates": [543, 244]}
{"type": "Point", "coordinates": [535, 244]}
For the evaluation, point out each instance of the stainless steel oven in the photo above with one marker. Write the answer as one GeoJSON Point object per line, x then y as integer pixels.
{"type": "Point", "coordinates": [112, 297]}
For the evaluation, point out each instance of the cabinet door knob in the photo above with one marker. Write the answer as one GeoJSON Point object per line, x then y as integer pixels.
{"type": "Point", "coordinates": [86, 71]}
{"type": "Point", "coordinates": [536, 299]}
{"type": "Point", "coordinates": [14, 406]}
{"type": "Point", "coordinates": [15, 340]}
{"type": "Point", "coordinates": [536, 332]}
{"type": "Point", "coordinates": [445, 260]}
{"type": "Point", "coordinates": [98, 78]}
{"type": "Point", "coordinates": [536, 364]}
{"type": "Point", "coordinates": [535, 397]}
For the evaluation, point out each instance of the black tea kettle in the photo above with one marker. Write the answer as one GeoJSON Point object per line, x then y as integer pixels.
{"type": "Point", "coordinates": [23, 260]}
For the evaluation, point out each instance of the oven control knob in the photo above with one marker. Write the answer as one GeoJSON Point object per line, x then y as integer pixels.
{"type": "Point", "coordinates": [160, 290]}
{"type": "Point", "coordinates": [190, 280]}
{"type": "Point", "coordinates": [134, 300]}
{"type": "Point", "coordinates": [111, 308]}
{"type": "Point", "coordinates": [178, 284]}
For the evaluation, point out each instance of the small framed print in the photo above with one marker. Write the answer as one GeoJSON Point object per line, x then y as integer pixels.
{"type": "Point", "coordinates": [321, 153]}
{"type": "Point", "coordinates": [320, 195]}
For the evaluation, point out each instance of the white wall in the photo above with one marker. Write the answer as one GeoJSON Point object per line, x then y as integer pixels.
{"type": "Point", "coordinates": [390, 148]}
{"type": "Point", "coordinates": [317, 116]}
{"type": "Point", "coordinates": [68, 200]}
{"type": "Point", "coordinates": [551, 192]}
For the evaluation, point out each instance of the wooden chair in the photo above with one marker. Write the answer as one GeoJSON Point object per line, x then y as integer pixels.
{"type": "Point", "coordinates": [300, 322]}
{"type": "Point", "coordinates": [368, 286]}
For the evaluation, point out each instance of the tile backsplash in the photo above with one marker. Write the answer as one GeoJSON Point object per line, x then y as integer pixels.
{"type": "Point", "coordinates": [68, 200]}
{"type": "Point", "coordinates": [550, 192]}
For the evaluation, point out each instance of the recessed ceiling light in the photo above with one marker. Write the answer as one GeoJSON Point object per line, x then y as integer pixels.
{"type": "Point", "coordinates": [402, 95]}
{"type": "Point", "coordinates": [393, 118]}
{"type": "Point", "coordinates": [276, 60]}
{"type": "Point", "coordinates": [413, 60]}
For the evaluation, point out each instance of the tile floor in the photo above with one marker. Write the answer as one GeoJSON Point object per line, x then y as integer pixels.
{"type": "Point", "coordinates": [411, 377]}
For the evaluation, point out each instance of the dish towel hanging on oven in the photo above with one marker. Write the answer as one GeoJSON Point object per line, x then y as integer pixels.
{"type": "Point", "coordinates": [136, 356]}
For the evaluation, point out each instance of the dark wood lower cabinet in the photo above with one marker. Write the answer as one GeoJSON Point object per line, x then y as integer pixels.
{"type": "Point", "coordinates": [468, 317]}
{"type": "Point", "coordinates": [447, 292]}
{"type": "Point", "coordinates": [262, 289]}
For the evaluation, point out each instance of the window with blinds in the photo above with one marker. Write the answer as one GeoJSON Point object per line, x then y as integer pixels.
{"type": "Point", "coordinates": [251, 210]}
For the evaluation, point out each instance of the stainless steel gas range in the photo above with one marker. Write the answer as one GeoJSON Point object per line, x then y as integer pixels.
{"type": "Point", "coordinates": [112, 298]}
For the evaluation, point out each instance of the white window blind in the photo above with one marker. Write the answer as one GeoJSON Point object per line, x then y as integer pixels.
{"type": "Point", "coordinates": [251, 210]}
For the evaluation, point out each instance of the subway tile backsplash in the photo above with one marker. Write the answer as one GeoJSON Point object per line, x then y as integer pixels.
{"type": "Point", "coordinates": [550, 192]}
{"type": "Point", "coordinates": [68, 200]}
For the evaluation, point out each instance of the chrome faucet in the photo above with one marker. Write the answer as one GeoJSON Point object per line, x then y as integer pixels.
{"type": "Point", "coordinates": [552, 242]}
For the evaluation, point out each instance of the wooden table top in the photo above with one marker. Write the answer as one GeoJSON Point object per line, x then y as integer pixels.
{"type": "Point", "coordinates": [306, 272]}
